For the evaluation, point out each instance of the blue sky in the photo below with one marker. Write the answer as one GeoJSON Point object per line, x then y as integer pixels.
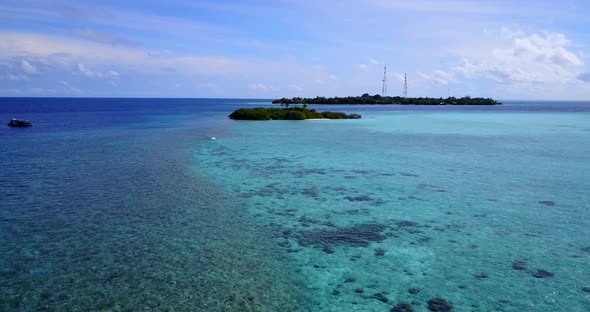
{"type": "Point", "coordinates": [269, 49]}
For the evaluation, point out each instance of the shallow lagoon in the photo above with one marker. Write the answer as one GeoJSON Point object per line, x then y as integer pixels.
{"type": "Point", "coordinates": [444, 202]}
{"type": "Point", "coordinates": [118, 204]}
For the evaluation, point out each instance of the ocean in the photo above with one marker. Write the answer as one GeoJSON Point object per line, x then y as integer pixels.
{"type": "Point", "coordinates": [129, 205]}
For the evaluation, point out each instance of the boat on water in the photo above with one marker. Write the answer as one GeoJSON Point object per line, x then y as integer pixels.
{"type": "Point", "coordinates": [19, 123]}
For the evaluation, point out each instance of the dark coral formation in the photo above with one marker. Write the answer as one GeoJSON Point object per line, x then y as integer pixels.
{"type": "Point", "coordinates": [307, 221]}
{"type": "Point", "coordinates": [405, 223]}
{"type": "Point", "coordinates": [423, 240]}
{"type": "Point", "coordinates": [268, 191]}
{"type": "Point", "coordinates": [439, 304]}
{"type": "Point", "coordinates": [540, 273]}
{"type": "Point", "coordinates": [360, 198]}
{"type": "Point", "coordinates": [481, 275]}
{"type": "Point", "coordinates": [403, 307]}
{"type": "Point", "coordinates": [354, 236]}
{"type": "Point", "coordinates": [519, 265]}
{"type": "Point", "coordinates": [306, 172]}
{"type": "Point", "coordinates": [379, 252]}
{"type": "Point", "coordinates": [311, 192]}
{"type": "Point", "coordinates": [327, 249]}
{"type": "Point", "coordinates": [381, 297]}
{"type": "Point", "coordinates": [414, 291]}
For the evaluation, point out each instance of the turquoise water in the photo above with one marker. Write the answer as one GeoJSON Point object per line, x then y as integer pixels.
{"type": "Point", "coordinates": [127, 205]}
{"type": "Point", "coordinates": [444, 202]}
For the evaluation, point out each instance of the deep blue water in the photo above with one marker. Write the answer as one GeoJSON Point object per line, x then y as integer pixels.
{"type": "Point", "coordinates": [126, 204]}
{"type": "Point", "coordinates": [68, 114]}
{"type": "Point", "coordinates": [102, 209]}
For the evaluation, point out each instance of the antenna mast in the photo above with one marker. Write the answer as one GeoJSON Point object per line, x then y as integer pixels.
{"type": "Point", "coordinates": [384, 89]}
{"type": "Point", "coordinates": [405, 85]}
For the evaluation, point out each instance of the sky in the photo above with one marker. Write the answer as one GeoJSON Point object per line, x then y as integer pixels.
{"type": "Point", "coordinates": [529, 50]}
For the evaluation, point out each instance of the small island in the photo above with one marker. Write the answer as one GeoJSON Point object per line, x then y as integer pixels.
{"type": "Point", "coordinates": [388, 100]}
{"type": "Point", "coordinates": [287, 113]}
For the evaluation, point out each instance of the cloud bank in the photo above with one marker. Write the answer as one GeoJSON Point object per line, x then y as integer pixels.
{"type": "Point", "coordinates": [248, 49]}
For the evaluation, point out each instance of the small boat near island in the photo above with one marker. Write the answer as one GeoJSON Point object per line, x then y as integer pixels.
{"type": "Point", "coordinates": [19, 123]}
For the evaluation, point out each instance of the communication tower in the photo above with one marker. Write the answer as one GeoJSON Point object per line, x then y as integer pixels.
{"type": "Point", "coordinates": [384, 88]}
{"type": "Point", "coordinates": [405, 85]}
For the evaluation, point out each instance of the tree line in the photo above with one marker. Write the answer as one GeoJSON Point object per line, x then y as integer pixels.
{"type": "Point", "coordinates": [378, 99]}
{"type": "Point", "coordinates": [292, 113]}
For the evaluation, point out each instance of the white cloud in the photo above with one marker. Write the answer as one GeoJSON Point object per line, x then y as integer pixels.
{"type": "Point", "coordinates": [14, 77]}
{"type": "Point", "coordinates": [362, 67]}
{"type": "Point", "coordinates": [28, 68]}
{"type": "Point", "coordinates": [68, 88]}
{"type": "Point", "coordinates": [438, 76]}
{"type": "Point", "coordinates": [535, 58]}
{"type": "Point", "coordinates": [396, 76]}
{"type": "Point", "coordinates": [365, 67]}
{"type": "Point", "coordinates": [74, 59]}
{"type": "Point", "coordinates": [295, 87]}
{"type": "Point", "coordinates": [17, 69]}
{"type": "Point", "coordinates": [325, 79]}
{"type": "Point", "coordinates": [42, 91]}
{"type": "Point", "coordinates": [510, 33]}
{"type": "Point", "coordinates": [14, 91]}
{"type": "Point", "coordinates": [86, 53]}
{"type": "Point", "coordinates": [13, 44]}
{"type": "Point", "coordinates": [257, 86]}
{"type": "Point", "coordinates": [111, 74]}
{"type": "Point", "coordinates": [85, 71]}
{"type": "Point", "coordinates": [373, 61]}
{"type": "Point", "coordinates": [73, 12]}
{"type": "Point", "coordinates": [102, 37]}
{"type": "Point", "coordinates": [209, 87]}
{"type": "Point", "coordinates": [261, 87]}
{"type": "Point", "coordinates": [447, 6]}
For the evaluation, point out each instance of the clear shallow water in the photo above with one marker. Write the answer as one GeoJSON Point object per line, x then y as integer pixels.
{"type": "Point", "coordinates": [442, 201]}
{"type": "Point", "coordinates": [126, 204]}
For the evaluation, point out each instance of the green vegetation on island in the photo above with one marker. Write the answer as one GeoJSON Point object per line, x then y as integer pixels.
{"type": "Point", "coordinates": [378, 99]}
{"type": "Point", "coordinates": [288, 113]}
